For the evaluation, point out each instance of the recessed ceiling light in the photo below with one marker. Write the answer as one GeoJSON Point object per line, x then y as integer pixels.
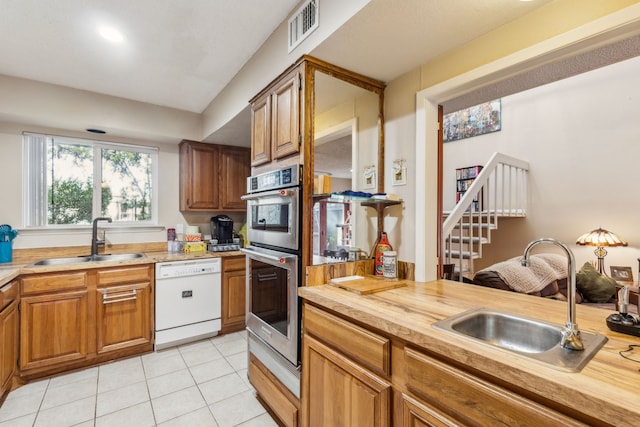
{"type": "Point", "coordinates": [111, 34]}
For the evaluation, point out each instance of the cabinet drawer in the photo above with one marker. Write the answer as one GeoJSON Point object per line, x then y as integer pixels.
{"type": "Point", "coordinates": [8, 294]}
{"type": "Point", "coordinates": [368, 348]}
{"type": "Point", "coordinates": [54, 282]}
{"type": "Point", "coordinates": [234, 263]}
{"type": "Point", "coordinates": [472, 400]}
{"type": "Point", "coordinates": [270, 392]}
{"type": "Point", "coordinates": [124, 275]}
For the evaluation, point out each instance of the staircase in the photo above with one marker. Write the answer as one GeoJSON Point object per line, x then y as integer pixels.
{"type": "Point", "coordinates": [500, 190]}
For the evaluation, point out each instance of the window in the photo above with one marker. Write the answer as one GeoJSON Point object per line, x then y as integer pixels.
{"type": "Point", "coordinates": [70, 181]}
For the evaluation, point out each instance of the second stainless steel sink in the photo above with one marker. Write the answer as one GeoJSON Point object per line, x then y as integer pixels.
{"type": "Point", "coordinates": [88, 258]}
{"type": "Point", "coordinates": [530, 337]}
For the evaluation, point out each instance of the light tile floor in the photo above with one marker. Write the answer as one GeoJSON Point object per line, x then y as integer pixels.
{"type": "Point", "coordinates": [197, 384]}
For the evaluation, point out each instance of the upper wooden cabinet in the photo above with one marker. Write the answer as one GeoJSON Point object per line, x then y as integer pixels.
{"type": "Point", "coordinates": [212, 177]}
{"type": "Point", "coordinates": [275, 119]}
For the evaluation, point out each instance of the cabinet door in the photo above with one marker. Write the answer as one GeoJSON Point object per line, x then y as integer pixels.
{"type": "Point", "coordinates": [235, 168]}
{"type": "Point", "coordinates": [339, 392]}
{"type": "Point", "coordinates": [199, 176]}
{"type": "Point", "coordinates": [9, 343]}
{"type": "Point", "coordinates": [285, 124]}
{"type": "Point", "coordinates": [123, 316]}
{"type": "Point", "coordinates": [53, 329]}
{"type": "Point", "coordinates": [418, 414]}
{"type": "Point", "coordinates": [233, 300]}
{"type": "Point", "coordinates": [261, 131]}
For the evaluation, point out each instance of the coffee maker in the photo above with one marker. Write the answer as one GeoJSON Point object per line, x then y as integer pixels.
{"type": "Point", "coordinates": [222, 229]}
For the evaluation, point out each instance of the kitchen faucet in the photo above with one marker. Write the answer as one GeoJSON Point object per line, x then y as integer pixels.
{"type": "Point", "coordinates": [571, 338]}
{"type": "Point", "coordinates": [94, 237]}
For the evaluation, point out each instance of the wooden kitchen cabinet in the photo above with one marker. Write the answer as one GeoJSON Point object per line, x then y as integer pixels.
{"type": "Point", "coordinates": [54, 320]}
{"type": "Point", "coordinates": [275, 119]}
{"type": "Point", "coordinates": [234, 170]}
{"type": "Point", "coordinates": [212, 177]}
{"type": "Point", "coordinates": [8, 335]}
{"type": "Point", "coordinates": [339, 359]}
{"type": "Point", "coordinates": [234, 294]}
{"type": "Point", "coordinates": [470, 399]}
{"type": "Point", "coordinates": [124, 308]}
{"type": "Point", "coordinates": [373, 373]}
{"type": "Point", "coordinates": [79, 318]}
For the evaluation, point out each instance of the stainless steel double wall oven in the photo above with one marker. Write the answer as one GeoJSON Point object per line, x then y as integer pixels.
{"type": "Point", "coordinates": [274, 271]}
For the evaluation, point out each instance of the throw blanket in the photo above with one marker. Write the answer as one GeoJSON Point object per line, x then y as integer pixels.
{"type": "Point", "coordinates": [543, 269]}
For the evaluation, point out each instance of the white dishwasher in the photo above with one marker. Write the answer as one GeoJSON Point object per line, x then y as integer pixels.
{"type": "Point", "coordinates": [188, 301]}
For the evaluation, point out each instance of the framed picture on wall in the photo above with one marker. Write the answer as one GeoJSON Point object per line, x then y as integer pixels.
{"type": "Point", "coordinates": [399, 172]}
{"type": "Point", "coordinates": [621, 274]}
{"type": "Point", "coordinates": [369, 176]}
{"type": "Point", "coordinates": [473, 121]}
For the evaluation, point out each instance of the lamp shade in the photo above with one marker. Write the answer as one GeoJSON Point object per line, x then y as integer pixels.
{"type": "Point", "coordinates": [600, 237]}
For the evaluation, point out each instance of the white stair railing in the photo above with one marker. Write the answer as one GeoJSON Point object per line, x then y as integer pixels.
{"type": "Point", "coordinates": [499, 190]}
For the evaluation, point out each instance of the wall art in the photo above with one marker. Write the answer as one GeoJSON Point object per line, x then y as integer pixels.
{"type": "Point", "coordinates": [473, 121]}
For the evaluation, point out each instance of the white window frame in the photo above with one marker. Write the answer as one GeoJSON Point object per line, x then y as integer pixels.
{"type": "Point", "coordinates": [35, 204]}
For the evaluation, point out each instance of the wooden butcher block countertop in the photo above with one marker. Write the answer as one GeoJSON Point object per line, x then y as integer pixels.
{"type": "Point", "coordinates": [607, 388]}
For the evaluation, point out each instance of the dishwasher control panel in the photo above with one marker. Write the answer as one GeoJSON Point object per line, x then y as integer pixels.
{"type": "Point", "coordinates": [187, 268]}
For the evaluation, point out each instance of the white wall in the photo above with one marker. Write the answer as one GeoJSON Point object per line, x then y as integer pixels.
{"type": "Point", "coordinates": [400, 135]}
{"type": "Point", "coordinates": [42, 104]}
{"type": "Point", "coordinates": [580, 136]}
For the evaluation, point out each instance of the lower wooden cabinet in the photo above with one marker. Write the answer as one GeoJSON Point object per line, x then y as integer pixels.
{"type": "Point", "coordinates": [54, 325]}
{"type": "Point", "coordinates": [75, 319]}
{"type": "Point", "coordinates": [124, 308]}
{"type": "Point", "coordinates": [345, 373]}
{"type": "Point", "coordinates": [342, 393]}
{"type": "Point", "coordinates": [418, 414]}
{"type": "Point", "coordinates": [8, 335]}
{"type": "Point", "coordinates": [234, 293]}
{"type": "Point", "coordinates": [344, 382]}
{"type": "Point", "coordinates": [283, 404]}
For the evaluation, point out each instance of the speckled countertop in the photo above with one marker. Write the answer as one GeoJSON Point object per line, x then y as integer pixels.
{"type": "Point", "coordinates": [10, 271]}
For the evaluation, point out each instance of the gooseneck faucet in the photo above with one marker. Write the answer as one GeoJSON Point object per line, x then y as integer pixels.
{"type": "Point", "coordinates": [94, 237]}
{"type": "Point", "coordinates": [571, 338]}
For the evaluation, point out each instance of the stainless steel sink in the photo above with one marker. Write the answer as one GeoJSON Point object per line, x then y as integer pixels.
{"type": "Point", "coordinates": [529, 337]}
{"type": "Point", "coordinates": [117, 257]}
{"type": "Point", "coordinates": [63, 261]}
{"type": "Point", "coordinates": [88, 258]}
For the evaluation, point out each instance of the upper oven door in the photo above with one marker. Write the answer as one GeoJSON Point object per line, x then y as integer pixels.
{"type": "Point", "coordinates": [272, 218]}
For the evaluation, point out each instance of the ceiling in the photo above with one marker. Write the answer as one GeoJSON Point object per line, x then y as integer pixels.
{"type": "Point", "coordinates": [177, 54]}
{"type": "Point", "coordinates": [180, 54]}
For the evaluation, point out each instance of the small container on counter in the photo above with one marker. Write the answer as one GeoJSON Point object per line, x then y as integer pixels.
{"type": "Point", "coordinates": [171, 234]}
{"type": "Point", "coordinates": [390, 264]}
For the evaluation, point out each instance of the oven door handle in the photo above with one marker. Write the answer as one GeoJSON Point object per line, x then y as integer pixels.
{"type": "Point", "coordinates": [282, 193]}
{"type": "Point", "coordinates": [261, 255]}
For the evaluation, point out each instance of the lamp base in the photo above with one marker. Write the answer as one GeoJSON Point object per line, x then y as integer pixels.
{"type": "Point", "coordinates": [601, 253]}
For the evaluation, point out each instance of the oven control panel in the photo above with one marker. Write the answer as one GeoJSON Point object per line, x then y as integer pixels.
{"type": "Point", "coordinates": [281, 178]}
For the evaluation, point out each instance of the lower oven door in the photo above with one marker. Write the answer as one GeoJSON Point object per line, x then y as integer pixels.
{"type": "Point", "coordinates": [272, 299]}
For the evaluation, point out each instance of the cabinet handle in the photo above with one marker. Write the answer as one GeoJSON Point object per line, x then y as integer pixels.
{"type": "Point", "coordinates": [269, 276]}
{"type": "Point", "coordinates": [119, 296]}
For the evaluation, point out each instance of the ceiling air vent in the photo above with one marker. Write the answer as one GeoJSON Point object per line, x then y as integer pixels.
{"type": "Point", "coordinates": [302, 23]}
